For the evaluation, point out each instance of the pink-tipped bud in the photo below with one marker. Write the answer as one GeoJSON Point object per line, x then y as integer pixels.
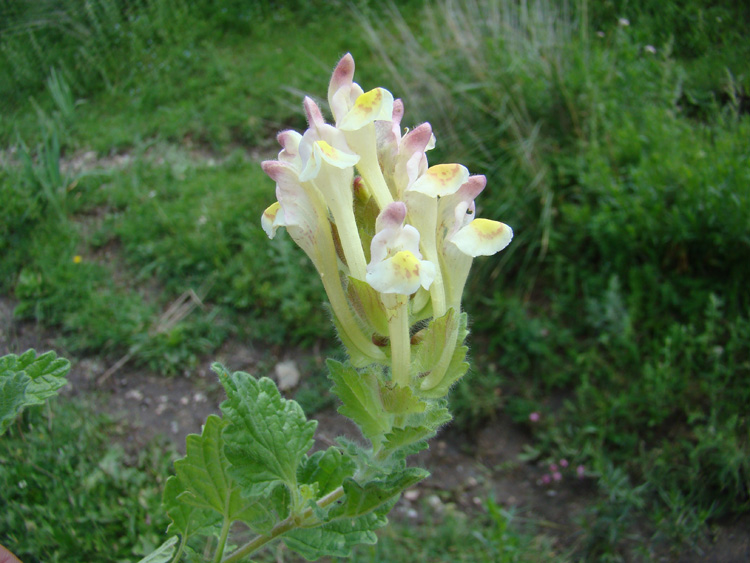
{"type": "Point", "coordinates": [534, 417]}
{"type": "Point", "coordinates": [557, 476]}
{"type": "Point", "coordinates": [563, 462]}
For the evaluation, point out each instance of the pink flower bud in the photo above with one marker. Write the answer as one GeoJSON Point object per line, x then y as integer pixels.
{"type": "Point", "coordinates": [557, 476]}
{"type": "Point", "coordinates": [546, 479]}
{"type": "Point", "coordinates": [553, 467]}
{"type": "Point", "coordinates": [563, 462]}
{"type": "Point", "coordinates": [534, 417]}
{"type": "Point", "coordinates": [581, 471]}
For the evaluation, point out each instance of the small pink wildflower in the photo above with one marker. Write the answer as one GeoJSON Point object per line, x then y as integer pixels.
{"type": "Point", "coordinates": [534, 417]}
{"type": "Point", "coordinates": [581, 471]}
{"type": "Point", "coordinates": [563, 462]}
{"type": "Point", "coordinates": [546, 479]}
{"type": "Point", "coordinates": [557, 476]}
{"type": "Point", "coordinates": [553, 468]}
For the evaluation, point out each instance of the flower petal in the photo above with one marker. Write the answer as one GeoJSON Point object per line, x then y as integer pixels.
{"type": "Point", "coordinates": [334, 156]}
{"type": "Point", "coordinates": [441, 180]}
{"type": "Point", "coordinates": [402, 273]}
{"type": "Point", "coordinates": [272, 219]}
{"type": "Point", "coordinates": [342, 76]}
{"type": "Point", "coordinates": [377, 104]}
{"type": "Point", "coordinates": [482, 237]}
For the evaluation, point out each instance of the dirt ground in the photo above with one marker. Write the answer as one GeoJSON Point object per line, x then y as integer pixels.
{"type": "Point", "coordinates": [464, 468]}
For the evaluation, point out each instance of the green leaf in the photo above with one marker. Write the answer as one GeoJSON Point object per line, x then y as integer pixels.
{"type": "Point", "coordinates": [360, 395]}
{"type": "Point", "coordinates": [430, 362]}
{"type": "Point", "coordinates": [326, 468]}
{"type": "Point", "coordinates": [354, 520]}
{"type": "Point", "coordinates": [13, 387]}
{"type": "Point", "coordinates": [421, 428]}
{"type": "Point", "coordinates": [363, 499]}
{"type": "Point", "coordinates": [366, 303]}
{"type": "Point", "coordinates": [267, 436]}
{"type": "Point", "coordinates": [356, 356]}
{"type": "Point", "coordinates": [163, 553]}
{"type": "Point", "coordinates": [203, 473]}
{"type": "Point", "coordinates": [187, 519]}
{"type": "Point", "coordinates": [28, 380]}
{"type": "Point", "coordinates": [400, 400]}
{"type": "Point", "coordinates": [335, 539]}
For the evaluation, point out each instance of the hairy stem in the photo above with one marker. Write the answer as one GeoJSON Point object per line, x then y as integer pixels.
{"type": "Point", "coordinates": [222, 539]}
{"type": "Point", "coordinates": [286, 525]}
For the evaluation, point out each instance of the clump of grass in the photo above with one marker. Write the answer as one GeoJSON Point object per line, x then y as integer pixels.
{"type": "Point", "coordinates": [70, 494]}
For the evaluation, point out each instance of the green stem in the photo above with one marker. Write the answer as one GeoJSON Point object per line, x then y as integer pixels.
{"type": "Point", "coordinates": [180, 549]}
{"type": "Point", "coordinates": [290, 523]}
{"type": "Point", "coordinates": [222, 539]}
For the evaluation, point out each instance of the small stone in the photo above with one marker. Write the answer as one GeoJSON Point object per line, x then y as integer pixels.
{"type": "Point", "coordinates": [174, 427]}
{"type": "Point", "coordinates": [411, 513]}
{"type": "Point", "coordinates": [287, 375]}
{"type": "Point", "coordinates": [199, 397]}
{"type": "Point", "coordinates": [435, 502]}
{"type": "Point", "coordinates": [134, 394]}
{"type": "Point", "coordinates": [411, 495]}
{"type": "Point", "coordinates": [184, 400]}
{"type": "Point", "coordinates": [471, 482]}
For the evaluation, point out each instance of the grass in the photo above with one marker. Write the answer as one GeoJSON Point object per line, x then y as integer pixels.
{"type": "Point", "coordinates": [617, 153]}
{"type": "Point", "coordinates": [76, 495]}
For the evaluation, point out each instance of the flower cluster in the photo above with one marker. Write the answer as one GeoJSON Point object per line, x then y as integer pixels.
{"type": "Point", "coordinates": [392, 238]}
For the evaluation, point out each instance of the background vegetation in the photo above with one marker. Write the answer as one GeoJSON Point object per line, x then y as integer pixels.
{"type": "Point", "coordinates": [614, 137]}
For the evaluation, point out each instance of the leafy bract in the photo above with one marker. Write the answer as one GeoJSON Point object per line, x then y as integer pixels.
{"type": "Point", "coordinates": [421, 427]}
{"type": "Point", "coordinates": [360, 397]}
{"type": "Point", "coordinates": [401, 400]}
{"type": "Point", "coordinates": [365, 498]}
{"type": "Point", "coordinates": [28, 380]}
{"type": "Point", "coordinates": [267, 436]}
{"type": "Point", "coordinates": [443, 335]}
{"type": "Point", "coordinates": [327, 469]}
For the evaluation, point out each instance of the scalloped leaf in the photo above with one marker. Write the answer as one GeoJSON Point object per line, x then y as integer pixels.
{"type": "Point", "coordinates": [363, 499]}
{"type": "Point", "coordinates": [28, 380]}
{"type": "Point", "coordinates": [360, 397]}
{"type": "Point", "coordinates": [203, 473]}
{"type": "Point", "coordinates": [412, 438]}
{"type": "Point", "coordinates": [327, 469]}
{"type": "Point", "coordinates": [267, 436]}
{"type": "Point", "coordinates": [354, 520]}
{"type": "Point", "coordinates": [335, 539]}
{"type": "Point", "coordinates": [187, 519]}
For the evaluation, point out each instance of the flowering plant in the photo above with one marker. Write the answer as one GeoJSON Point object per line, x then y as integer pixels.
{"type": "Point", "coordinates": [393, 240]}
